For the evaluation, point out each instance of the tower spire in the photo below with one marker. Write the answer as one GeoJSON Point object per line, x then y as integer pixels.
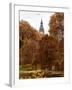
{"type": "Point", "coordinates": [41, 29]}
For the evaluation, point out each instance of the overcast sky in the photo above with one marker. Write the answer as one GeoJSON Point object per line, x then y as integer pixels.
{"type": "Point", "coordinates": [34, 18]}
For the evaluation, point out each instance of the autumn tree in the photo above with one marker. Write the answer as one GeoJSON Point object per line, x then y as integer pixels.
{"type": "Point", "coordinates": [56, 30]}
{"type": "Point", "coordinates": [61, 54]}
{"type": "Point", "coordinates": [27, 31]}
{"type": "Point", "coordinates": [56, 25]}
{"type": "Point", "coordinates": [49, 51]}
{"type": "Point", "coordinates": [28, 42]}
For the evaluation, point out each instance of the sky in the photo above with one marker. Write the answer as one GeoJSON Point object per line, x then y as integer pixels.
{"type": "Point", "coordinates": [34, 18]}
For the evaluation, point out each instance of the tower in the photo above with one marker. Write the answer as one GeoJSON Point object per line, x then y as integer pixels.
{"type": "Point", "coordinates": [41, 29]}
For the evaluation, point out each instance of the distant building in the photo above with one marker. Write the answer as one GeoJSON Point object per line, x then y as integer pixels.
{"type": "Point", "coordinates": [41, 29]}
